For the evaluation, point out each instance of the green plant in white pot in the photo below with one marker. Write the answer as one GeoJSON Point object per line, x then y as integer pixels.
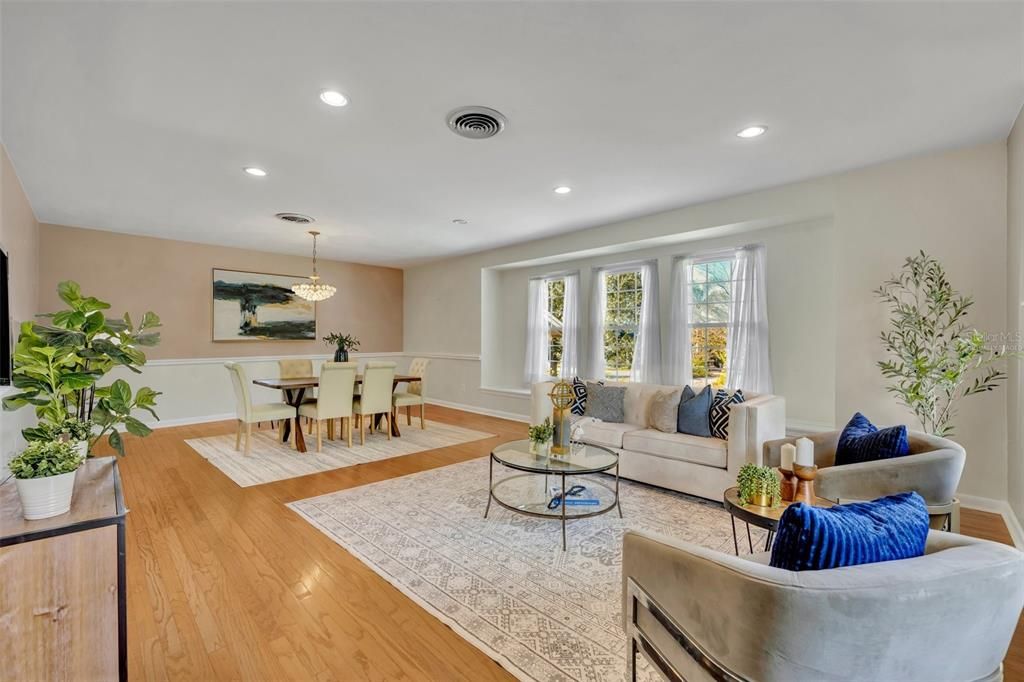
{"type": "Point", "coordinates": [935, 357]}
{"type": "Point", "coordinates": [44, 474]}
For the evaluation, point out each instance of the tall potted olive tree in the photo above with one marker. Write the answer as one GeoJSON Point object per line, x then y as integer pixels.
{"type": "Point", "coordinates": [935, 358]}
{"type": "Point", "coordinates": [58, 367]}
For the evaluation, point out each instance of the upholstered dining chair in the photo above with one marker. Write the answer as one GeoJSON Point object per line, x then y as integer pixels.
{"type": "Point", "coordinates": [337, 381]}
{"type": "Point", "coordinates": [249, 414]}
{"type": "Point", "coordinates": [413, 393]}
{"type": "Point", "coordinates": [378, 382]}
{"type": "Point", "coordinates": [297, 369]}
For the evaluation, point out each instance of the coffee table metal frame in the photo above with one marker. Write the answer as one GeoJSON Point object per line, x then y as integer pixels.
{"type": "Point", "coordinates": [542, 471]}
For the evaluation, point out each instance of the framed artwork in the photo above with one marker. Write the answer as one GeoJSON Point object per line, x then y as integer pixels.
{"type": "Point", "coordinates": [258, 306]}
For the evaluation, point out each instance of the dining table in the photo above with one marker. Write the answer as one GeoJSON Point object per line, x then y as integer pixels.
{"type": "Point", "coordinates": [295, 391]}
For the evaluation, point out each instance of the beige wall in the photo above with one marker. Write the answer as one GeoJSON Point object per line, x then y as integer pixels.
{"type": "Point", "coordinates": [19, 237]}
{"type": "Point", "coordinates": [952, 204]}
{"type": "Point", "coordinates": [1015, 311]}
{"type": "Point", "coordinates": [173, 279]}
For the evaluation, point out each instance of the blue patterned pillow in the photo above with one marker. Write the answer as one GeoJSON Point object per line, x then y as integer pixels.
{"type": "Point", "coordinates": [720, 412]}
{"type": "Point", "coordinates": [579, 396]}
{"type": "Point", "coordinates": [862, 441]}
{"type": "Point", "coordinates": [816, 538]}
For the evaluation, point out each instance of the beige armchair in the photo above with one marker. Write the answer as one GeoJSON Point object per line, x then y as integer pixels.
{"type": "Point", "coordinates": [337, 382]}
{"type": "Point", "coordinates": [378, 383]}
{"type": "Point", "coordinates": [932, 469]}
{"type": "Point", "coordinates": [700, 615]}
{"type": "Point", "coordinates": [413, 394]}
{"type": "Point", "coordinates": [249, 414]}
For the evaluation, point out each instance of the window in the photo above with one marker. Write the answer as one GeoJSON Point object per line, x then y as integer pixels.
{"type": "Point", "coordinates": [555, 317]}
{"type": "Point", "coordinates": [624, 295]}
{"type": "Point", "coordinates": [711, 293]}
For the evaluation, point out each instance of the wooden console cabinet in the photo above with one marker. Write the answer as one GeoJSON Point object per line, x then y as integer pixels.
{"type": "Point", "coordinates": [62, 583]}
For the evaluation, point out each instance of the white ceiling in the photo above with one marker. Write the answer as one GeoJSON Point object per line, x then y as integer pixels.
{"type": "Point", "coordinates": [138, 117]}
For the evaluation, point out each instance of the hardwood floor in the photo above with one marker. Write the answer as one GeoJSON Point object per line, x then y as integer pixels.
{"type": "Point", "coordinates": [227, 583]}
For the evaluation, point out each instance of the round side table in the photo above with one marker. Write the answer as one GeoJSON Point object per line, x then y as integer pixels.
{"type": "Point", "coordinates": [761, 517]}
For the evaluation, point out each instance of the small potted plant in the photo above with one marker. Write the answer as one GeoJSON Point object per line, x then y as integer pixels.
{"type": "Point", "coordinates": [78, 433]}
{"type": "Point", "coordinates": [44, 473]}
{"type": "Point", "coordinates": [758, 486]}
{"type": "Point", "coordinates": [343, 344]}
{"type": "Point", "coordinates": [540, 437]}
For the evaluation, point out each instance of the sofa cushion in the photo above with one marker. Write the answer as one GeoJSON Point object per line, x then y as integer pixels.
{"type": "Point", "coordinates": [695, 413]}
{"type": "Point", "coordinates": [638, 399]}
{"type": "Point", "coordinates": [707, 451]}
{"type": "Point", "coordinates": [862, 441]}
{"type": "Point", "coordinates": [720, 409]}
{"type": "Point", "coordinates": [606, 403]}
{"type": "Point", "coordinates": [579, 396]}
{"type": "Point", "coordinates": [608, 434]}
{"type": "Point", "coordinates": [814, 538]}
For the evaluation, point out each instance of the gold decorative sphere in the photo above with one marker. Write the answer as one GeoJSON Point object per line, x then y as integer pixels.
{"type": "Point", "coordinates": [561, 395]}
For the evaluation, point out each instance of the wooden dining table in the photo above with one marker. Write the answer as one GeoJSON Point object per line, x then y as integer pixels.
{"type": "Point", "coordinates": [295, 391]}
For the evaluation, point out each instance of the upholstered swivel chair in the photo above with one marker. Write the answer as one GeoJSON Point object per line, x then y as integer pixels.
{"type": "Point", "coordinates": [248, 413]}
{"type": "Point", "coordinates": [337, 381]}
{"type": "Point", "coordinates": [413, 394]}
{"type": "Point", "coordinates": [378, 383]}
{"type": "Point", "coordinates": [947, 616]}
{"type": "Point", "coordinates": [932, 469]}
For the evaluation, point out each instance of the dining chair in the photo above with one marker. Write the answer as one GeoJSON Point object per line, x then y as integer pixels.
{"type": "Point", "coordinates": [378, 383]}
{"type": "Point", "coordinates": [297, 369]}
{"type": "Point", "coordinates": [337, 381]}
{"type": "Point", "coordinates": [249, 414]}
{"type": "Point", "coordinates": [413, 393]}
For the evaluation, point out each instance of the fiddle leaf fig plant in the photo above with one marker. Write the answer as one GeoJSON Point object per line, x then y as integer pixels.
{"type": "Point", "coordinates": [935, 358]}
{"type": "Point", "coordinates": [57, 366]}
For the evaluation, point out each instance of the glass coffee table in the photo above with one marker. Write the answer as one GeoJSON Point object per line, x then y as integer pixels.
{"type": "Point", "coordinates": [533, 492]}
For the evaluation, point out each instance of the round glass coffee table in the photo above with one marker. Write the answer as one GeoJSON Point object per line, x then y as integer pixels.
{"type": "Point", "coordinates": [538, 490]}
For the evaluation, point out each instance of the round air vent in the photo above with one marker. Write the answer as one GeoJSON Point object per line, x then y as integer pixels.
{"type": "Point", "coordinates": [295, 218]}
{"type": "Point", "coordinates": [476, 123]}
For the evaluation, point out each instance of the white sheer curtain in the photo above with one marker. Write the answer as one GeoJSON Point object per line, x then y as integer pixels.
{"type": "Point", "coordinates": [747, 340]}
{"type": "Point", "coordinates": [646, 366]}
{"type": "Point", "coordinates": [571, 326]}
{"type": "Point", "coordinates": [679, 366]}
{"type": "Point", "coordinates": [536, 331]}
{"type": "Point", "coordinates": [595, 337]}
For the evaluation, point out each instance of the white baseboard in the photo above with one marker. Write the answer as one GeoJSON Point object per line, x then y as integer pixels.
{"type": "Point", "coordinates": [799, 427]}
{"type": "Point", "coordinates": [1001, 507]}
{"type": "Point", "coordinates": [501, 414]}
{"type": "Point", "coordinates": [185, 421]}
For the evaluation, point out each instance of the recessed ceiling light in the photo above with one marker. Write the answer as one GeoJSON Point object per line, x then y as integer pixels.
{"type": "Point", "coordinates": [333, 98]}
{"type": "Point", "coordinates": [752, 131]}
{"type": "Point", "coordinates": [563, 190]}
{"type": "Point", "coordinates": [459, 221]}
{"type": "Point", "coordinates": [253, 170]}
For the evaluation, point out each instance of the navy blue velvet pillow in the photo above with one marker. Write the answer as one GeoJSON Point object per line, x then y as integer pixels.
{"type": "Point", "coordinates": [816, 538]}
{"type": "Point", "coordinates": [862, 441]}
{"type": "Point", "coordinates": [694, 411]}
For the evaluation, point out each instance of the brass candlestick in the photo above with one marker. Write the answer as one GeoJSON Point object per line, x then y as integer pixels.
{"type": "Point", "coordinates": [787, 486]}
{"type": "Point", "coordinates": [805, 476]}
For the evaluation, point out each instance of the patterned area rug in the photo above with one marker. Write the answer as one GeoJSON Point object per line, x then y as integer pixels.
{"type": "Point", "coordinates": [504, 583]}
{"type": "Point", "coordinates": [273, 461]}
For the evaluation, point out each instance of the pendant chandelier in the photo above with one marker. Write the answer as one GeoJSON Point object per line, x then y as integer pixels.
{"type": "Point", "coordinates": [314, 290]}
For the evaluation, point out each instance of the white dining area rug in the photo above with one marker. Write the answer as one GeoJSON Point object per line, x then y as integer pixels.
{"type": "Point", "coordinates": [503, 583]}
{"type": "Point", "coordinates": [271, 460]}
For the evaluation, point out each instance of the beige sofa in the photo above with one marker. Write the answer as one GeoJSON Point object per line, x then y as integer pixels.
{"type": "Point", "coordinates": [689, 464]}
{"type": "Point", "coordinates": [947, 616]}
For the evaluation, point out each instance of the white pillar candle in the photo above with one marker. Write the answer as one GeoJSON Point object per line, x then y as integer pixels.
{"type": "Point", "coordinates": [788, 456]}
{"type": "Point", "coordinates": [804, 452]}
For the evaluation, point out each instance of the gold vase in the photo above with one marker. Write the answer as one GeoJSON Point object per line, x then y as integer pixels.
{"type": "Point", "coordinates": [761, 500]}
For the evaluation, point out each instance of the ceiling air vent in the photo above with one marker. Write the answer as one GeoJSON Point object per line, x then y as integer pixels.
{"type": "Point", "coordinates": [476, 123]}
{"type": "Point", "coordinates": [295, 218]}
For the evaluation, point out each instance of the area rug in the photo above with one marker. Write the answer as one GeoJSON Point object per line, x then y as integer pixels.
{"type": "Point", "coordinates": [273, 461]}
{"type": "Point", "coordinates": [504, 583]}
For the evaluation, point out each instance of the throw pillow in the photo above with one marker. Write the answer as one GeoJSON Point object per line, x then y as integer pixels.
{"type": "Point", "coordinates": [663, 411]}
{"type": "Point", "coordinates": [694, 413]}
{"type": "Point", "coordinates": [579, 396]}
{"type": "Point", "coordinates": [607, 403]}
{"type": "Point", "coordinates": [816, 538]}
{"type": "Point", "coordinates": [862, 441]}
{"type": "Point", "coordinates": [720, 412]}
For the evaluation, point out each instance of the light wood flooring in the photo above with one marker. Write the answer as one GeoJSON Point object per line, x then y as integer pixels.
{"type": "Point", "coordinates": [227, 583]}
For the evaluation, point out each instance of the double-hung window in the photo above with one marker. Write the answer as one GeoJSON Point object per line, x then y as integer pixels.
{"type": "Point", "coordinates": [623, 301]}
{"type": "Point", "coordinates": [555, 324]}
{"type": "Point", "coordinates": [710, 301]}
